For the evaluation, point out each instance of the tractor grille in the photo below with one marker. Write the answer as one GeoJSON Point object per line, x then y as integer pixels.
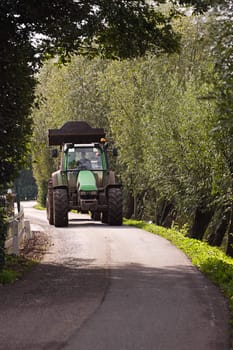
{"type": "Point", "coordinates": [88, 194]}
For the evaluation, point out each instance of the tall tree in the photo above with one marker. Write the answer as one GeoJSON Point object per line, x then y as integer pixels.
{"type": "Point", "coordinates": [32, 30]}
{"type": "Point", "coordinates": [64, 93]}
{"type": "Point", "coordinates": [222, 33]}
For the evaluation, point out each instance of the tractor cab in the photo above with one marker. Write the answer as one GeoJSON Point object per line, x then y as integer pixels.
{"type": "Point", "coordinates": [80, 157]}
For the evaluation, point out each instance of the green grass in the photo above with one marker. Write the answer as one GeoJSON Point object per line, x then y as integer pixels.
{"type": "Point", "coordinates": [8, 276]}
{"type": "Point", "coordinates": [39, 207]}
{"type": "Point", "coordinates": [14, 268]}
{"type": "Point", "coordinates": [210, 260]}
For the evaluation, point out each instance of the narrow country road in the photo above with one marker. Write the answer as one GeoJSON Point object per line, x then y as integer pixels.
{"type": "Point", "coordinates": [111, 288]}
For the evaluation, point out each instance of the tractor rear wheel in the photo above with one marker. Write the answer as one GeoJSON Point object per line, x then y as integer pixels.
{"type": "Point", "coordinates": [60, 207]}
{"type": "Point", "coordinates": [95, 215]}
{"type": "Point", "coordinates": [49, 206]}
{"type": "Point", "coordinates": [104, 217]}
{"type": "Point", "coordinates": [115, 206]}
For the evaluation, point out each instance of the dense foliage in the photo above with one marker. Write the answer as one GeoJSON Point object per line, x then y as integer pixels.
{"type": "Point", "coordinates": [32, 30]}
{"type": "Point", "coordinates": [223, 131]}
{"type": "Point", "coordinates": [25, 186]}
{"type": "Point", "coordinates": [162, 113]}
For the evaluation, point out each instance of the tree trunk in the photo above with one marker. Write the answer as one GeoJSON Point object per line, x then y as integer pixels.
{"type": "Point", "coordinates": [3, 233]}
{"type": "Point", "coordinates": [140, 205]}
{"type": "Point", "coordinates": [216, 238]}
{"type": "Point", "coordinates": [128, 205]}
{"type": "Point", "coordinates": [164, 216]}
{"type": "Point", "coordinates": [229, 250]}
{"type": "Point", "coordinates": [169, 215]}
{"type": "Point", "coordinates": [201, 221]}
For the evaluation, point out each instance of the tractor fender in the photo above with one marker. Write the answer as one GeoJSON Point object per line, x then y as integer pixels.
{"type": "Point", "coordinates": [111, 178]}
{"type": "Point", "coordinates": [111, 183]}
{"type": "Point", "coordinates": [59, 179]}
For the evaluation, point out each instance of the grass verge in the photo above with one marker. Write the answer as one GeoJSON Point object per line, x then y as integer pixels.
{"type": "Point", "coordinates": [31, 253]}
{"type": "Point", "coordinates": [14, 268]}
{"type": "Point", "coordinates": [38, 207]}
{"type": "Point", "coordinates": [210, 260]}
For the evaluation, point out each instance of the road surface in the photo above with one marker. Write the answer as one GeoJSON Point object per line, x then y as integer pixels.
{"type": "Point", "coordinates": [111, 288]}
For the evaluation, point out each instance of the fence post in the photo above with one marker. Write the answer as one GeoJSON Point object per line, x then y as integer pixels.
{"type": "Point", "coordinates": [15, 237]}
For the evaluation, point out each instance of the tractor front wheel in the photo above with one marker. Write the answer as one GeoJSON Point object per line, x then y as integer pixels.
{"type": "Point", "coordinates": [60, 207]}
{"type": "Point", "coordinates": [115, 214]}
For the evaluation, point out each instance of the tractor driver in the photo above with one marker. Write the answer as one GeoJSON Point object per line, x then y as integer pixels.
{"type": "Point", "coordinates": [83, 162]}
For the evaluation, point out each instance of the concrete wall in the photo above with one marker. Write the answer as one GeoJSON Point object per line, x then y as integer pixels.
{"type": "Point", "coordinates": [18, 231]}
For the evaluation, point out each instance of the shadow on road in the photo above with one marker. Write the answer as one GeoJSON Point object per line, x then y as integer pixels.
{"type": "Point", "coordinates": [52, 302]}
{"type": "Point", "coordinates": [83, 222]}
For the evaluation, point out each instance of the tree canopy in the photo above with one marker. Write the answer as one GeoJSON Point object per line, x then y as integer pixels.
{"type": "Point", "coordinates": [31, 31]}
{"type": "Point", "coordinates": [163, 116]}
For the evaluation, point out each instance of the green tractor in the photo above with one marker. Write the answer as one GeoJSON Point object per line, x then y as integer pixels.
{"type": "Point", "coordinates": [84, 181]}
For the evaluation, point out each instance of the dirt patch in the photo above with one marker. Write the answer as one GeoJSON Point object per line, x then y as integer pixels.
{"type": "Point", "coordinates": [36, 247]}
{"type": "Point", "coordinates": [31, 253]}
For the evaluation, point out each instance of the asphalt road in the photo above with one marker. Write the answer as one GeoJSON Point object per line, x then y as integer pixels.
{"type": "Point", "coordinates": [111, 288]}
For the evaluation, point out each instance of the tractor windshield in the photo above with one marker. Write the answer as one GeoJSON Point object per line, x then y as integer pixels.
{"type": "Point", "coordinates": [91, 158]}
